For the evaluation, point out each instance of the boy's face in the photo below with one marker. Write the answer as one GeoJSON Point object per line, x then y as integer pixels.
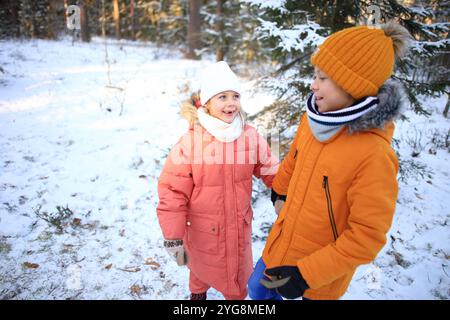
{"type": "Point", "coordinates": [329, 96]}
{"type": "Point", "coordinates": [224, 106]}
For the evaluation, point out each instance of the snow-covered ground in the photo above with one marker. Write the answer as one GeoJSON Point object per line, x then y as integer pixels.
{"type": "Point", "coordinates": [79, 162]}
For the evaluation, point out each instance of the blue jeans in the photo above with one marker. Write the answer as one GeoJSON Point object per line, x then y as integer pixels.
{"type": "Point", "coordinates": [256, 290]}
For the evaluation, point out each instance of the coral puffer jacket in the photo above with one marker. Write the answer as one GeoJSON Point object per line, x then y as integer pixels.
{"type": "Point", "coordinates": [205, 194]}
{"type": "Point", "coordinates": [341, 197]}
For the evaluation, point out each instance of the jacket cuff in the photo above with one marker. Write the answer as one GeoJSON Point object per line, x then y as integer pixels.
{"type": "Point", "coordinates": [275, 196]}
{"type": "Point", "coordinates": [173, 243]}
{"type": "Point", "coordinates": [303, 282]}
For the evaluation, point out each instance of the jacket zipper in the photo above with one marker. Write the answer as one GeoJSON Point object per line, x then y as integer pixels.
{"type": "Point", "coordinates": [235, 211]}
{"type": "Point", "coordinates": [237, 225]}
{"type": "Point", "coordinates": [330, 207]}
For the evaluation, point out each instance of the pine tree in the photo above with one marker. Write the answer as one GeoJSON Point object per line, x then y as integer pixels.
{"type": "Point", "coordinates": [294, 28]}
{"type": "Point", "coordinates": [35, 19]}
{"type": "Point", "coordinates": [289, 31]}
{"type": "Point", "coordinates": [174, 23]}
{"type": "Point", "coordinates": [230, 38]}
{"type": "Point", "coordinates": [425, 71]}
{"type": "Point", "coordinates": [9, 17]}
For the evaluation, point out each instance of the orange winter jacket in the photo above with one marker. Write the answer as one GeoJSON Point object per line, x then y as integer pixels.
{"type": "Point", "coordinates": [204, 198]}
{"type": "Point", "coordinates": [341, 197]}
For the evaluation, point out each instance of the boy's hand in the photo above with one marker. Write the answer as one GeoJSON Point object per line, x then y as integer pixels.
{"type": "Point", "coordinates": [277, 200]}
{"type": "Point", "coordinates": [287, 280]}
{"type": "Point", "coordinates": [278, 206]}
{"type": "Point", "coordinates": [176, 250]}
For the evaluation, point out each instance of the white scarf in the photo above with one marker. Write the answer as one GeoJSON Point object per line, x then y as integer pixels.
{"type": "Point", "coordinates": [222, 131]}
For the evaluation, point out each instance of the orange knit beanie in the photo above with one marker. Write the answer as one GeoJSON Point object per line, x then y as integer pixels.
{"type": "Point", "coordinates": [359, 59]}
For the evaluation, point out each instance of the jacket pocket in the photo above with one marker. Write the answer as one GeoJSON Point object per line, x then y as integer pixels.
{"type": "Point", "coordinates": [247, 226]}
{"type": "Point", "coordinates": [304, 246]}
{"type": "Point", "coordinates": [326, 188]}
{"type": "Point", "coordinates": [202, 234]}
{"type": "Point", "coordinates": [275, 233]}
{"type": "Point", "coordinates": [248, 215]}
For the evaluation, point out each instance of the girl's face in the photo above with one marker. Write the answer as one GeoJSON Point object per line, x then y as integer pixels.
{"type": "Point", "coordinates": [224, 106]}
{"type": "Point", "coordinates": [329, 96]}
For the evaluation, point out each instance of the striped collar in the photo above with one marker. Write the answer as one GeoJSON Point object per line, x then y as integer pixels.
{"type": "Point", "coordinates": [342, 116]}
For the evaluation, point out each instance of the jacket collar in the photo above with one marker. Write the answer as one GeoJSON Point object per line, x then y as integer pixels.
{"type": "Point", "coordinates": [391, 103]}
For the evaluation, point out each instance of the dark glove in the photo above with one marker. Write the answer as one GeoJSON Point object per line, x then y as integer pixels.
{"type": "Point", "coordinates": [275, 196]}
{"type": "Point", "coordinates": [287, 280]}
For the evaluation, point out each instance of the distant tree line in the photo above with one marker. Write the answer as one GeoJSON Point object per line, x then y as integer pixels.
{"type": "Point", "coordinates": [278, 36]}
{"type": "Point", "coordinates": [222, 27]}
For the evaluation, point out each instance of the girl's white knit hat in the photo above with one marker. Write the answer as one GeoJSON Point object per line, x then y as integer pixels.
{"type": "Point", "coordinates": [217, 78]}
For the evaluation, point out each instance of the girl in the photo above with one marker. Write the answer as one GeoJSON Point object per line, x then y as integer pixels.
{"type": "Point", "coordinates": [339, 177]}
{"type": "Point", "coordinates": [205, 188]}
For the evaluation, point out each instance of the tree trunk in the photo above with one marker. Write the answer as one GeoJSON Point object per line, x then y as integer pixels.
{"type": "Point", "coordinates": [193, 35]}
{"type": "Point", "coordinates": [220, 52]}
{"type": "Point", "coordinates": [132, 19]}
{"type": "Point", "coordinates": [65, 11]}
{"type": "Point", "coordinates": [108, 70]}
{"type": "Point", "coordinates": [447, 106]}
{"type": "Point", "coordinates": [116, 16]}
{"type": "Point", "coordinates": [54, 23]}
{"type": "Point", "coordinates": [85, 33]}
{"type": "Point", "coordinates": [14, 29]}
{"type": "Point", "coordinates": [337, 19]}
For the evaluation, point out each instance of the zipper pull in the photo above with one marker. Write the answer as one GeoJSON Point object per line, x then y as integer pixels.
{"type": "Point", "coordinates": [325, 180]}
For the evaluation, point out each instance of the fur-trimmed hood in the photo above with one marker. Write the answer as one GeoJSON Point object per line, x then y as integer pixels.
{"type": "Point", "coordinates": [189, 112]}
{"type": "Point", "coordinates": [392, 101]}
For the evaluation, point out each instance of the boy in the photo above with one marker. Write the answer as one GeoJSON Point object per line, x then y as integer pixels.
{"type": "Point", "coordinates": [338, 180]}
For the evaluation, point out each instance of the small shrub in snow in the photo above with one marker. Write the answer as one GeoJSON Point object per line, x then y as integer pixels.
{"type": "Point", "coordinates": [411, 168]}
{"type": "Point", "coordinates": [439, 140]}
{"type": "Point", "coordinates": [58, 219]}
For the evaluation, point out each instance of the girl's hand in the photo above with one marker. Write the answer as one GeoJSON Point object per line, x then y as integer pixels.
{"type": "Point", "coordinates": [176, 250]}
{"type": "Point", "coordinates": [278, 206]}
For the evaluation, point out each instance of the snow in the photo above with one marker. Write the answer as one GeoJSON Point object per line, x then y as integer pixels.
{"type": "Point", "coordinates": [69, 140]}
{"type": "Point", "coordinates": [298, 37]}
{"type": "Point", "coordinates": [268, 4]}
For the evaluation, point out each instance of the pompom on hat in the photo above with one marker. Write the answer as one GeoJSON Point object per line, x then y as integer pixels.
{"type": "Point", "coordinates": [359, 59]}
{"type": "Point", "coordinates": [217, 78]}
